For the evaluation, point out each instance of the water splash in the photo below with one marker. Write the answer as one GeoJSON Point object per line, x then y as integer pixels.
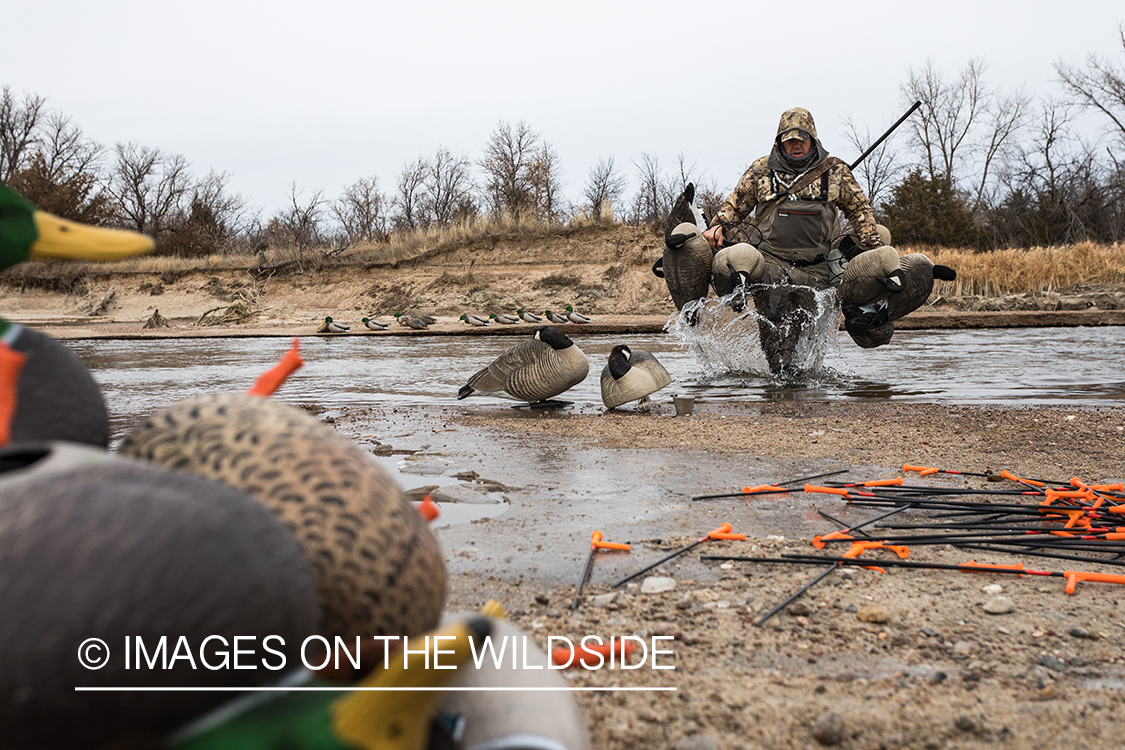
{"type": "Point", "coordinates": [729, 343]}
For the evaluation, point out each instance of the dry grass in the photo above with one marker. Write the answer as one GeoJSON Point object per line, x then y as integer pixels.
{"type": "Point", "coordinates": [1037, 269]}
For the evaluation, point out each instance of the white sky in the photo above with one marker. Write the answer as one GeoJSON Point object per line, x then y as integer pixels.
{"type": "Point", "coordinates": [323, 93]}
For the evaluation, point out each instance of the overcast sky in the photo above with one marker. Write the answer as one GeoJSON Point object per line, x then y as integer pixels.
{"type": "Point", "coordinates": [324, 93]}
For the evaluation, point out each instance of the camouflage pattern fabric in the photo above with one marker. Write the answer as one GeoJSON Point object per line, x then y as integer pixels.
{"type": "Point", "coordinates": [761, 184]}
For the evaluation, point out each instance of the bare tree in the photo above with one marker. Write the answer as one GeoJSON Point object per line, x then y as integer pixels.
{"type": "Point", "coordinates": [63, 175]}
{"type": "Point", "coordinates": [301, 221]}
{"type": "Point", "coordinates": [507, 162]}
{"type": "Point", "coordinates": [1100, 85]}
{"type": "Point", "coordinates": [18, 124]}
{"type": "Point", "coordinates": [949, 112]}
{"type": "Point", "coordinates": [148, 186]}
{"type": "Point", "coordinates": [409, 211]}
{"type": "Point", "coordinates": [447, 188]}
{"type": "Point", "coordinates": [603, 190]}
{"type": "Point", "coordinates": [653, 200]}
{"type": "Point", "coordinates": [879, 170]}
{"type": "Point", "coordinates": [544, 179]}
{"type": "Point", "coordinates": [362, 211]}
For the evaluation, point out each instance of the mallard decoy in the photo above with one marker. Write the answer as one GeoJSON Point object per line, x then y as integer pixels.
{"type": "Point", "coordinates": [533, 370]}
{"type": "Point", "coordinates": [554, 317]}
{"type": "Point", "coordinates": [505, 318]}
{"type": "Point", "coordinates": [100, 546]}
{"type": "Point", "coordinates": [26, 233]}
{"type": "Point", "coordinates": [528, 317]}
{"type": "Point", "coordinates": [375, 325]}
{"type": "Point", "coordinates": [409, 321]}
{"type": "Point", "coordinates": [378, 567]}
{"type": "Point", "coordinates": [474, 320]}
{"type": "Point", "coordinates": [631, 375]}
{"type": "Point", "coordinates": [331, 326]}
{"type": "Point", "coordinates": [574, 316]}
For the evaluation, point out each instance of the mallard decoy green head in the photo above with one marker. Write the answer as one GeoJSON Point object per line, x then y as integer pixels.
{"type": "Point", "coordinates": [26, 233]}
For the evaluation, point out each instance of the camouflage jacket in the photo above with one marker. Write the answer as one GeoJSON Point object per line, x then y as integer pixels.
{"type": "Point", "coordinates": [762, 183]}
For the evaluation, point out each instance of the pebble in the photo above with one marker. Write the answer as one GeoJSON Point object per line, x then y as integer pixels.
{"type": "Point", "coordinates": [799, 609]}
{"type": "Point", "coordinates": [993, 589]}
{"type": "Point", "coordinates": [541, 599]}
{"type": "Point", "coordinates": [1053, 662]}
{"type": "Point", "coordinates": [964, 724]}
{"type": "Point", "coordinates": [603, 600]}
{"type": "Point", "coordinates": [1079, 633]}
{"type": "Point", "coordinates": [965, 648]}
{"type": "Point", "coordinates": [697, 742]}
{"type": "Point", "coordinates": [684, 602]}
{"type": "Point", "coordinates": [828, 729]}
{"type": "Point", "coordinates": [1000, 605]}
{"type": "Point", "coordinates": [657, 585]}
{"type": "Point", "coordinates": [876, 613]}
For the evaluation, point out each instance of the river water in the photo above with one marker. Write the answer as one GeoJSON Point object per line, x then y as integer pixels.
{"type": "Point", "coordinates": [1059, 366]}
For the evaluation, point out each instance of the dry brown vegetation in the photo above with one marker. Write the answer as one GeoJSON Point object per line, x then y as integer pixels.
{"type": "Point", "coordinates": [1037, 269]}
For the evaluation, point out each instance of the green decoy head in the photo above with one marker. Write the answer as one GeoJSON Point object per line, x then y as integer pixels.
{"type": "Point", "coordinates": [26, 233]}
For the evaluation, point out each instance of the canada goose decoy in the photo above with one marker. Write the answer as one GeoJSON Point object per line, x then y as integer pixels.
{"type": "Point", "coordinates": [378, 566]}
{"type": "Point", "coordinates": [631, 375]}
{"type": "Point", "coordinates": [505, 318]}
{"type": "Point", "coordinates": [375, 325]}
{"type": "Point", "coordinates": [686, 263]}
{"type": "Point", "coordinates": [533, 370]}
{"type": "Point", "coordinates": [331, 326]}
{"type": "Point", "coordinates": [26, 233]}
{"type": "Point", "coordinates": [94, 545]}
{"type": "Point", "coordinates": [474, 320]}
{"type": "Point", "coordinates": [574, 316]}
{"type": "Point", "coordinates": [554, 317]}
{"type": "Point", "coordinates": [879, 287]}
{"type": "Point", "coordinates": [528, 317]}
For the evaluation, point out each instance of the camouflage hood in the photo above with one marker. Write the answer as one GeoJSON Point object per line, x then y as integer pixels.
{"type": "Point", "coordinates": [799, 121]}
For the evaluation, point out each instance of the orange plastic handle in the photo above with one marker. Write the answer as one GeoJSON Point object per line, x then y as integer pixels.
{"type": "Point", "coordinates": [597, 543]}
{"type": "Point", "coordinates": [11, 364]}
{"type": "Point", "coordinates": [818, 541]}
{"type": "Point", "coordinates": [883, 482]}
{"type": "Point", "coordinates": [429, 509]}
{"type": "Point", "coordinates": [1012, 477]}
{"type": "Point", "coordinates": [858, 548]}
{"type": "Point", "coordinates": [763, 488]}
{"type": "Point", "coordinates": [1074, 576]}
{"type": "Point", "coordinates": [1052, 495]}
{"type": "Point", "coordinates": [922, 470]}
{"type": "Point", "coordinates": [719, 535]}
{"type": "Point", "coordinates": [725, 528]}
{"type": "Point", "coordinates": [275, 377]}
{"type": "Point", "coordinates": [1119, 487]}
{"type": "Point", "coordinates": [827, 490]}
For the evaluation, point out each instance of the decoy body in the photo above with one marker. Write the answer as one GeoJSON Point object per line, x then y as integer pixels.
{"type": "Point", "coordinates": [474, 320]}
{"type": "Point", "coordinates": [574, 316]}
{"type": "Point", "coordinates": [686, 263]}
{"type": "Point", "coordinates": [533, 370]}
{"type": "Point", "coordinates": [56, 397]}
{"type": "Point", "coordinates": [879, 287]}
{"type": "Point", "coordinates": [94, 545]}
{"type": "Point", "coordinates": [505, 318]}
{"type": "Point", "coordinates": [331, 326]}
{"type": "Point", "coordinates": [554, 317]}
{"type": "Point", "coordinates": [631, 375]}
{"type": "Point", "coordinates": [528, 317]}
{"type": "Point", "coordinates": [410, 321]}
{"type": "Point", "coordinates": [378, 567]}
{"type": "Point", "coordinates": [375, 325]}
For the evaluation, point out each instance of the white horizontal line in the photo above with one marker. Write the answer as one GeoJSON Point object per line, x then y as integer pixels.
{"type": "Point", "coordinates": [308, 689]}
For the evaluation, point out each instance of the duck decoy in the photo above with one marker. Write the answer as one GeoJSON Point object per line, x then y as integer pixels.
{"type": "Point", "coordinates": [331, 326]}
{"type": "Point", "coordinates": [534, 370]}
{"type": "Point", "coordinates": [97, 546]}
{"type": "Point", "coordinates": [631, 375]}
{"type": "Point", "coordinates": [574, 316]}
{"type": "Point", "coordinates": [474, 320]}
{"type": "Point", "coordinates": [554, 317]}
{"type": "Point", "coordinates": [409, 321]}
{"type": "Point", "coordinates": [374, 325]}
{"type": "Point", "coordinates": [505, 318]}
{"type": "Point", "coordinates": [378, 567]}
{"type": "Point", "coordinates": [528, 317]}
{"type": "Point", "coordinates": [26, 233]}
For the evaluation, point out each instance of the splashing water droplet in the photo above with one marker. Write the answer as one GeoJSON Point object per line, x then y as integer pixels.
{"type": "Point", "coordinates": [728, 342]}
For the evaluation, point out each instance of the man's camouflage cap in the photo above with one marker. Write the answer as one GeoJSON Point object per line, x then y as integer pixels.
{"type": "Point", "coordinates": [796, 124]}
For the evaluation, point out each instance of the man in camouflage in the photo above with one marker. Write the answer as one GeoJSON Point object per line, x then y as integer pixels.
{"type": "Point", "coordinates": [789, 243]}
